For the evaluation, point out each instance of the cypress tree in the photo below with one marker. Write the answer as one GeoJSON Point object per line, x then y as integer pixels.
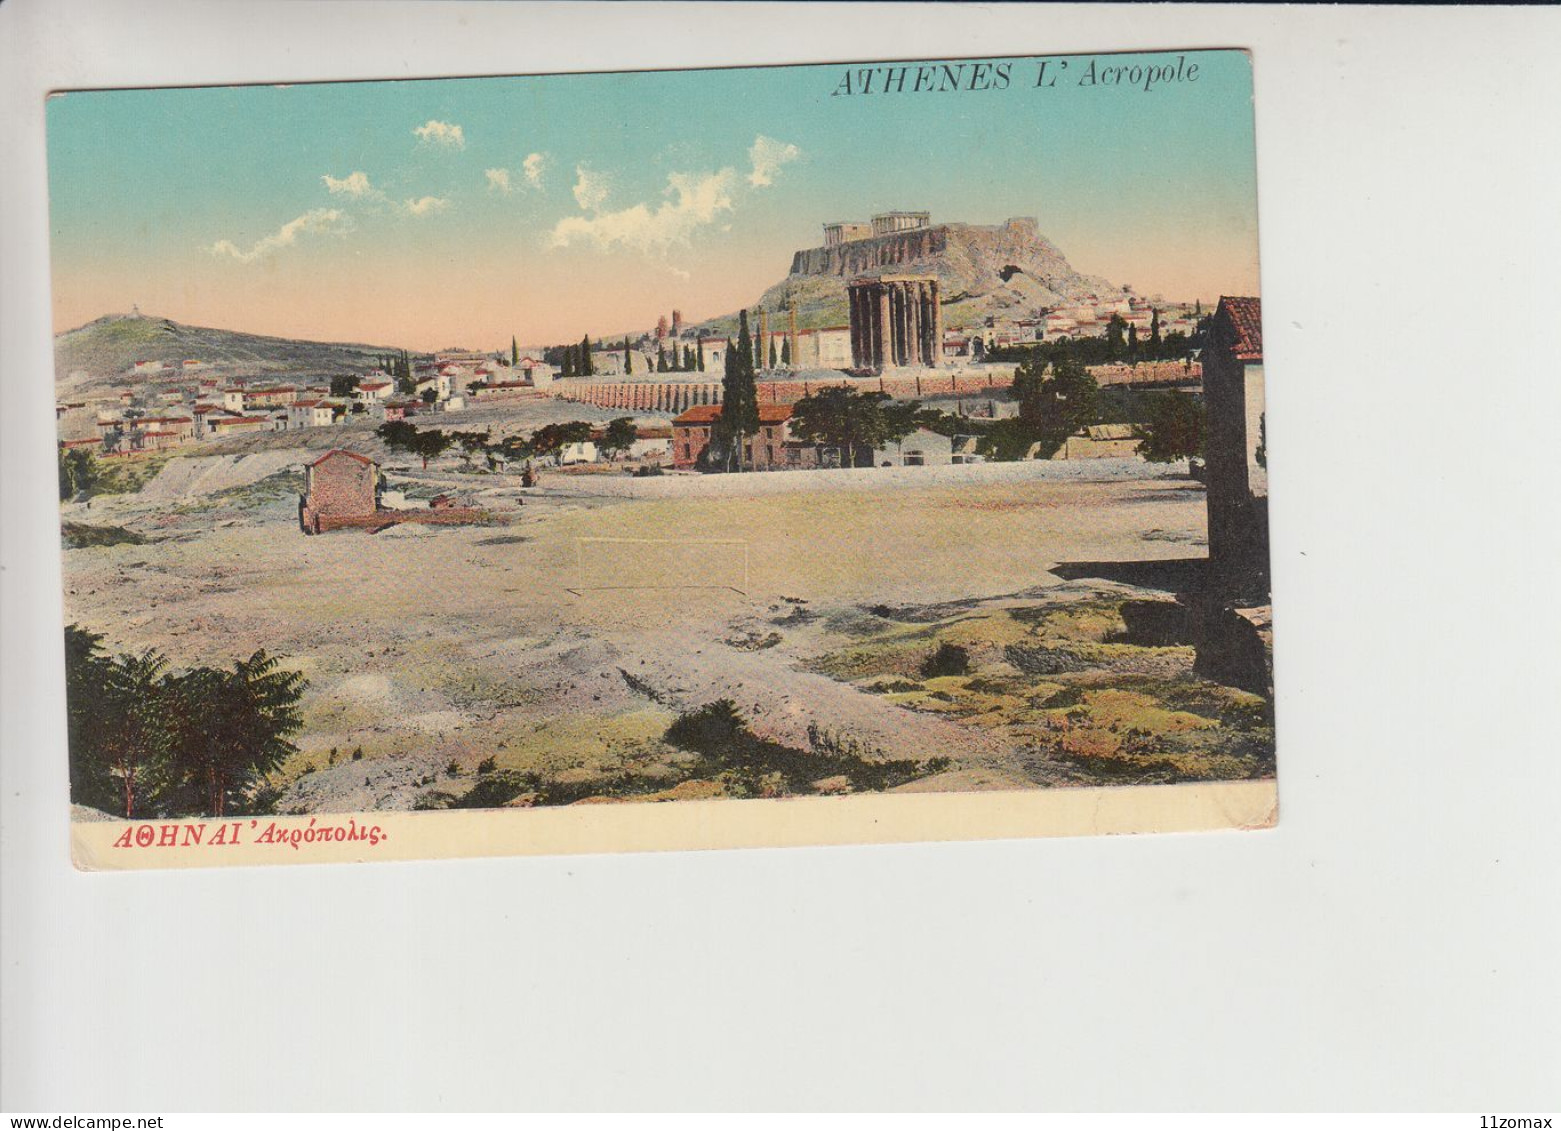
{"type": "Point", "coordinates": [628, 364]}
{"type": "Point", "coordinates": [661, 358]}
{"type": "Point", "coordinates": [774, 356]}
{"type": "Point", "coordinates": [586, 368]}
{"type": "Point", "coordinates": [514, 350]}
{"type": "Point", "coordinates": [785, 354]}
{"type": "Point", "coordinates": [740, 411]}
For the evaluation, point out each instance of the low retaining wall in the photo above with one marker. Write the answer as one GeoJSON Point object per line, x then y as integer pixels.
{"type": "Point", "coordinates": [313, 523]}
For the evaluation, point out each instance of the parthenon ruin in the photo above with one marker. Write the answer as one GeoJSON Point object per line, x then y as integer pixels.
{"type": "Point", "coordinates": [895, 321]}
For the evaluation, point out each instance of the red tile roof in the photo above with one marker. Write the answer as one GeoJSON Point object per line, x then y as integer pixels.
{"type": "Point", "coordinates": [1238, 324]}
{"type": "Point", "coordinates": [708, 413]}
{"type": "Point", "coordinates": [341, 452]}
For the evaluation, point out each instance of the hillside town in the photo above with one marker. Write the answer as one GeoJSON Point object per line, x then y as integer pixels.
{"type": "Point", "coordinates": [869, 441]}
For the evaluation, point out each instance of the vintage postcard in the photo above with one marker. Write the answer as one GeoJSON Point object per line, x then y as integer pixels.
{"type": "Point", "coordinates": [861, 452]}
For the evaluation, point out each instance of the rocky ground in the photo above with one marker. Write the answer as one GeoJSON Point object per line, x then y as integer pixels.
{"type": "Point", "coordinates": [535, 661]}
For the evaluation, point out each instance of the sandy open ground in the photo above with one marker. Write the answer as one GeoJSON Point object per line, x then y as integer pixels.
{"type": "Point", "coordinates": [565, 638]}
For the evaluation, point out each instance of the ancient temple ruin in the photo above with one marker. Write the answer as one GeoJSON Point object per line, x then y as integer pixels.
{"type": "Point", "coordinates": [895, 321]}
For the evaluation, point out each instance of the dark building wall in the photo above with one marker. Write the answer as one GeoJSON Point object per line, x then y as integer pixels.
{"type": "Point", "coordinates": [1238, 519]}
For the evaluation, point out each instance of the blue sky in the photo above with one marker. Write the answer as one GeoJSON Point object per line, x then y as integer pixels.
{"type": "Point", "coordinates": [460, 211]}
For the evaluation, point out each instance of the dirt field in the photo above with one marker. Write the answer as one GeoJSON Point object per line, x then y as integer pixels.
{"type": "Point", "coordinates": [436, 653]}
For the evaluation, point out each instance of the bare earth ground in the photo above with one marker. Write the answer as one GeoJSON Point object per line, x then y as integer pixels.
{"type": "Point", "coordinates": [431, 650]}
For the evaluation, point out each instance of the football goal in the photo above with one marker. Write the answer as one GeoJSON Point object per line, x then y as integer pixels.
{"type": "Point", "coordinates": [660, 563]}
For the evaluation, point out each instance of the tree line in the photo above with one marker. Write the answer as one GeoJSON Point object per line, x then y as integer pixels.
{"type": "Point", "coordinates": [148, 741]}
{"type": "Point", "coordinates": [548, 440]}
{"type": "Point", "coordinates": [1120, 344]}
{"type": "Point", "coordinates": [1057, 399]}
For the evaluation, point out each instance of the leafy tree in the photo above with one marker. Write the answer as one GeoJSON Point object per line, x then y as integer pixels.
{"type": "Point", "coordinates": [135, 736]}
{"type": "Point", "coordinates": [230, 728]}
{"type": "Point", "coordinates": [1261, 454]}
{"type": "Point", "coordinates": [470, 443]}
{"type": "Point", "coordinates": [850, 422]}
{"type": "Point", "coordinates": [1174, 430]}
{"type": "Point", "coordinates": [551, 438]}
{"type": "Point", "coordinates": [398, 435]}
{"type": "Point", "coordinates": [79, 472]}
{"type": "Point", "coordinates": [430, 445]}
{"type": "Point", "coordinates": [1116, 337]}
{"type": "Point", "coordinates": [620, 435]}
{"type": "Point", "coordinates": [430, 395]}
{"type": "Point", "coordinates": [1054, 405]}
{"type": "Point", "coordinates": [86, 704]}
{"type": "Point", "coordinates": [343, 384]}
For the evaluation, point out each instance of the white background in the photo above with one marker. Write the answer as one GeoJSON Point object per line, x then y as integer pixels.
{"type": "Point", "coordinates": [1392, 944]}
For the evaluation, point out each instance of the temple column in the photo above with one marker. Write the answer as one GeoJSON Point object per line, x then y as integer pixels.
{"type": "Point", "coordinates": [937, 325]}
{"type": "Point", "coordinates": [881, 328]}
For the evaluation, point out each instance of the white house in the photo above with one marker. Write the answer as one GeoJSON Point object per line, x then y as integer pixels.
{"type": "Point", "coordinates": [309, 414]}
{"type": "Point", "coordinates": [583, 451]}
{"type": "Point", "coordinates": [375, 390]}
{"type": "Point", "coordinates": [233, 400]}
{"type": "Point", "coordinates": [922, 448]}
{"type": "Point", "coordinates": [652, 446]}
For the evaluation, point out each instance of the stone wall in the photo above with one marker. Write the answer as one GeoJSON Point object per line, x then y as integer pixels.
{"type": "Point", "coordinates": [650, 396]}
{"type": "Point", "coordinates": [861, 257]}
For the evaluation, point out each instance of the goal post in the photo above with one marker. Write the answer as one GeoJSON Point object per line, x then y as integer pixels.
{"type": "Point", "coordinates": [660, 563]}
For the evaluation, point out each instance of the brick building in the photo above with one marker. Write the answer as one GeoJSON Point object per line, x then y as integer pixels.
{"type": "Point", "coordinates": [340, 485]}
{"type": "Point", "coordinates": [772, 448]}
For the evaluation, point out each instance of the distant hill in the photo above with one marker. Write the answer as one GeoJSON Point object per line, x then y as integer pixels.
{"type": "Point", "coordinates": [106, 350]}
{"type": "Point", "coordinates": [1008, 268]}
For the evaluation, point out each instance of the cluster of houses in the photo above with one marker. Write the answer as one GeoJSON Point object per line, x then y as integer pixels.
{"type": "Point", "coordinates": [776, 448]}
{"type": "Point", "coordinates": [1087, 319]}
{"type": "Point", "coordinates": [151, 417]}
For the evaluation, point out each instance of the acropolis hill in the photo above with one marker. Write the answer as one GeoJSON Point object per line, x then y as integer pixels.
{"type": "Point", "coordinates": [982, 269]}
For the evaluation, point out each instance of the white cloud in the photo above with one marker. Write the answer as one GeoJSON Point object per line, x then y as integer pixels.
{"type": "Point", "coordinates": [446, 134]}
{"type": "Point", "coordinates": [767, 156]}
{"type": "Point", "coordinates": [692, 201]}
{"type": "Point", "coordinates": [534, 164]}
{"type": "Point", "coordinates": [355, 185]}
{"type": "Point", "coordinates": [321, 221]}
{"type": "Point", "coordinates": [591, 188]}
{"type": "Point", "coordinates": [426, 205]}
{"type": "Point", "coordinates": [498, 179]}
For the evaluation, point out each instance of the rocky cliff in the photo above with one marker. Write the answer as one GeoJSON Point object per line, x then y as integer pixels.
{"type": "Point", "coordinates": [1008, 268]}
